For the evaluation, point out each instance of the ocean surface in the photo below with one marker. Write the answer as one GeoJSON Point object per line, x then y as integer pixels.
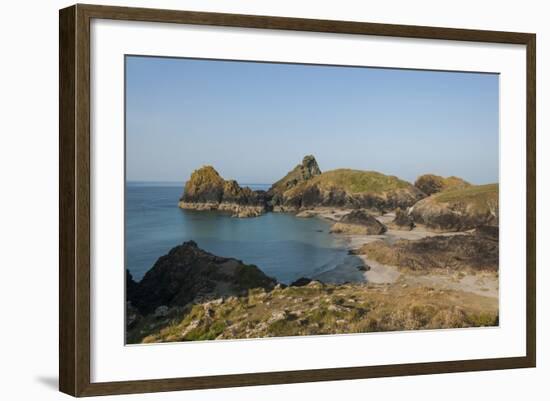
{"type": "Point", "coordinates": [282, 245]}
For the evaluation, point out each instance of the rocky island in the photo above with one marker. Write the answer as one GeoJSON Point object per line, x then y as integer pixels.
{"type": "Point", "coordinates": [304, 187]}
{"type": "Point", "coordinates": [438, 203]}
{"type": "Point", "coordinates": [206, 190]}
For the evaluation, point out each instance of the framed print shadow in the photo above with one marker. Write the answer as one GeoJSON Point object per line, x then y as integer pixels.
{"type": "Point", "coordinates": [249, 200]}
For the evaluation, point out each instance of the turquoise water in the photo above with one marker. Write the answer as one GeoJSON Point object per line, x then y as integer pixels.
{"type": "Point", "coordinates": [282, 245]}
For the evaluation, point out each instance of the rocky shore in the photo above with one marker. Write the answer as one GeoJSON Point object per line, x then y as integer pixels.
{"type": "Point", "coordinates": [188, 275]}
{"type": "Point", "coordinates": [427, 259]}
{"type": "Point", "coordinates": [437, 281]}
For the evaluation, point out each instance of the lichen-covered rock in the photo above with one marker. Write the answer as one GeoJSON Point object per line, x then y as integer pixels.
{"type": "Point", "coordinates": [204, 186]}
{"type": "Point", "coordinates": [207, 190]}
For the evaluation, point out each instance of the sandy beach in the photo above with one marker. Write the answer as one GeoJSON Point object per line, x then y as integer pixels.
{"type": "Point", "coordinates": [484, 284]}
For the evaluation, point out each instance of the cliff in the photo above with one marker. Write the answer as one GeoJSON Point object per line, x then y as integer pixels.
{"type": "Point", "coordinates": [459, 209]}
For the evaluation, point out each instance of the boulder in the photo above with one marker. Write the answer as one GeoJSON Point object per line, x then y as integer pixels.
{"type": "Point", "coordinates": [301, 282]}
{"type": "Point", "coordinates": [403, 219]}
{"type": "Point", "coordinates": [359, 222]}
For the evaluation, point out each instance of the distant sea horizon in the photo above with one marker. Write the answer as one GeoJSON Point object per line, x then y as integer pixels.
{"type": "Point", "coordinates": [182, 183]}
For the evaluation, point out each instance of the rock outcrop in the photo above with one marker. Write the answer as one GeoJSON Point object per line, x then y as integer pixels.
{"type": "Point", "coordinates": [403, 219]}
{"type": "Point", "coordinates": [207, 190]}
{"type": "Point", "coordinates": [349, 189]}
{"type": "Point", "coordinates": [299, 174]}
{"type": "Point", "coordinates": [459, 209]}
{"type": "Point", "coordinates": [431, 184]}
{"type": "Point", "coordinates": [464, 252]}
{"type": "Point", "coordinates": [359, 222]}
{"type": "Point", "coordinates": [189, 274]}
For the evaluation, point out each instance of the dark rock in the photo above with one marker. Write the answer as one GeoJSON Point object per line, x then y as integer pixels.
{"type": "Point", "coordinates": [302, 281]}
{"type": "Point", "coordinates": [359, 222]}
{"type": "Point", "coordinates": [188, 272]}
{"type": "Point", "coordinates": [403, 219]}
{"type": "Point", "coordinates": [133, 317]}
{"type": "Point", "coordinates": [456, 252]}
{"type": "Point", "coordinates": [363, 268]}
{"type": "Point", "coordinates": [488, 232]}
{"type": "Point", "coordinates": [131, 285]}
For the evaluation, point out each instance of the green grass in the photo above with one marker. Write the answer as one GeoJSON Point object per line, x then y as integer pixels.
{"type": "Point", "coordinates": [430, 183]}
{"type": "Point", "coordinates": [356, 181]}
{"type": "Point", "coordinates": [476, 194]}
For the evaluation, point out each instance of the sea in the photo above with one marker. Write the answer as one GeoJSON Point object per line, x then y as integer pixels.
{"type": "Point", "coordinates": [282, 245]}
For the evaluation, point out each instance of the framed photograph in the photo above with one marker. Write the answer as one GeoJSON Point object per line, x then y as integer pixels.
{"type": "Point", "coordinates": [250, 200]}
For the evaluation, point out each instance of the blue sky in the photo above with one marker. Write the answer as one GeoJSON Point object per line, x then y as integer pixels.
{"type": "Point", "coordinates": [255, 121]}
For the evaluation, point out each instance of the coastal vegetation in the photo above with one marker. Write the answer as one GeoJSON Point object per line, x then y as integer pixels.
{"type": "Point", "coordinates": [431, 184]}
{"type": "Point", "coordinates": [317, 308]}
{"type": "Point", "coordinates": [459, 209]}
{"type": "Point", "coordinates": [429, 260]}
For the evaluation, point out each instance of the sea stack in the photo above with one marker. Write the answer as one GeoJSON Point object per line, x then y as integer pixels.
{"type": "Point", "coordinates": [207, 190]}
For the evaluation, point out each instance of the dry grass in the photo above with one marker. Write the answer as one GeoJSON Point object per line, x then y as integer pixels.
{"type": "Point", "coordinates": [326, 309]}
{"type": "Point", "coordinates": [477, 195]}
{"type": "Point", "coordinates": [357, 181]}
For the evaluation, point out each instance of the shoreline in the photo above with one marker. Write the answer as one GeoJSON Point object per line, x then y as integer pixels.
{"type": "Point", "coordinates": [482, 283]}
{"type": "Point", "coordinates": [352, 269]}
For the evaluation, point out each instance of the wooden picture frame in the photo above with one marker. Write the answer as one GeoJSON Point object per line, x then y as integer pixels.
{"type": "Point", "coordinates": [74, 199]}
